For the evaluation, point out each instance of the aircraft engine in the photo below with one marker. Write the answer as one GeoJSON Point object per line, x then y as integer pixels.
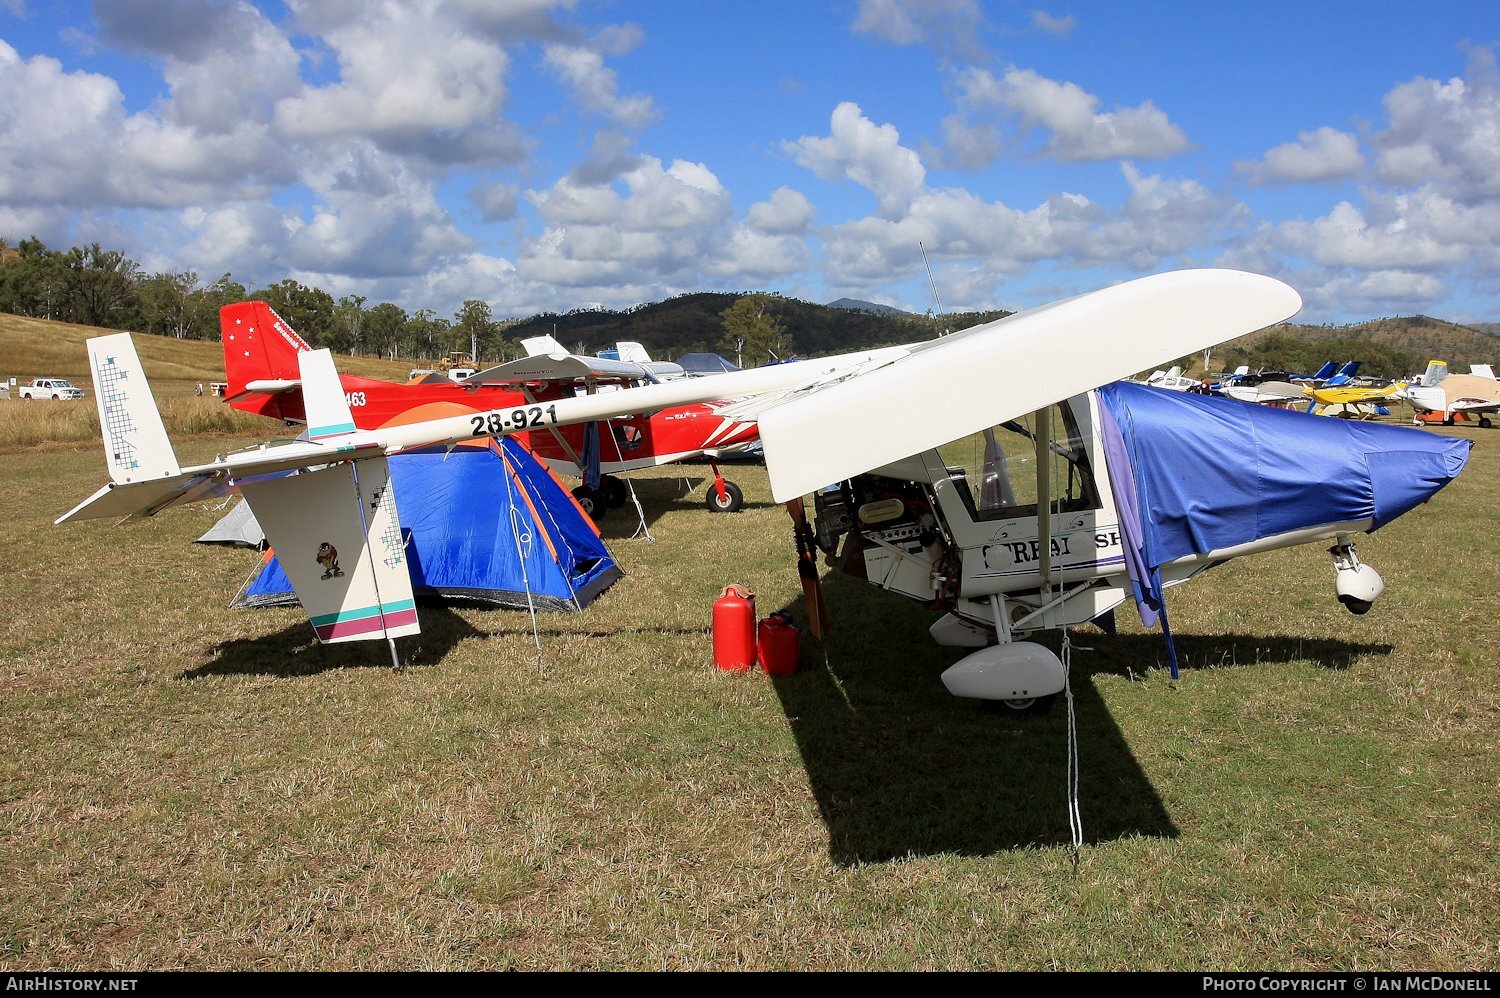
{"type": "Point", "coordinates": [872, 503]}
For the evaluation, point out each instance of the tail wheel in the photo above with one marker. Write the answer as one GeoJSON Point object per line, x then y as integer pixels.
{"type": "Point", "coordinates": [731, 503]}
{"type": "Point", "coordinates": [614, 491]}
{"type": "Point", "coordinates": [591, 501]}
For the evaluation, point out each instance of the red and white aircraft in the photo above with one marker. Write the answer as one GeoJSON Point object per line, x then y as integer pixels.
{"type": "Point", "coordinates": [261, 366]}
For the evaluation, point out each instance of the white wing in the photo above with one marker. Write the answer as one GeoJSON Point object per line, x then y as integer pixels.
{"type": "Point", "coordinates": [950, 387]}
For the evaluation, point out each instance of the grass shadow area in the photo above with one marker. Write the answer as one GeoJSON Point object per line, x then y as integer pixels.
{"type": "Point", "coordinates": [901, 768]}
{"type": "Point", "coordinates": [294, 651]}
{"type": "Point", "coordinates": [673, 489]}
{"type": "Point", "coordinates": [1124, 654]}
{"type": "Point", "coordinates": [657, 496]}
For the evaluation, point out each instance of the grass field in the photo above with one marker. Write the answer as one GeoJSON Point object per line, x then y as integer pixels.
{"type": "Point", "coordinates": [186, 786]}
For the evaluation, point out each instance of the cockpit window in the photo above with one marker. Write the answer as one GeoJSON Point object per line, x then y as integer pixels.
{"type": "Point", "coordinates": [999, 467]}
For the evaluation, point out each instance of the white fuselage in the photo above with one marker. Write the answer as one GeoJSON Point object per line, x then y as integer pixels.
{"type": "Point", "coordinates": [1000, 555]}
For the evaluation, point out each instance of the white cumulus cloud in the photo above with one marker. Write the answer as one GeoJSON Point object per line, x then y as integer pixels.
{"type": "Point", "coordinates": [788, 212]}
{"type": "Point", "coordinates": [1318, 156]}
{"type": "Point", "coordinates": [870, 155]}
{"type": "Point", "coordinates": [909, 22]}
{"type": "Point", "coordinates": [413, 82]}
{"type": "Point", "coordinates": [1076, 129]}
{"type": "Point", "coordinates": [1445, 132]}
{"type": "Point", "coordinates": [1062, 27]}
{"type": "Point", "coordinates": [597, 87]}
{"type": "Point", "coordinates": [655, 227]}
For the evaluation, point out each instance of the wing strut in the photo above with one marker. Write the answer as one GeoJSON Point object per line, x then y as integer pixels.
{"type": "Point", "coordinates": [1043, 440]}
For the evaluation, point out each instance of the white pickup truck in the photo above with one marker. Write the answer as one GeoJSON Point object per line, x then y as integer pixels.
{"type": "Point", "coordinates": [50, 388]}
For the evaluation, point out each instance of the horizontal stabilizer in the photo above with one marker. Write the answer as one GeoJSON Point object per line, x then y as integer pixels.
{"type": "Point", "coordinates": [543, 346]}
{"type": "Point", "coordinates": [960, 384]}
{"type": "Point", "coordinates": [338, 537]}
{"type": "Point", "coordinates": [135, 500]}
{"type": "Point", "coordinates": [272, 386]}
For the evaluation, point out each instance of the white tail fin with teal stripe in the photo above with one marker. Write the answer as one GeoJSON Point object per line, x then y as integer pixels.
{"type": "Point", "coordinates": [338, 537]}
{"type": "Point", "coordinates": [323, 396]}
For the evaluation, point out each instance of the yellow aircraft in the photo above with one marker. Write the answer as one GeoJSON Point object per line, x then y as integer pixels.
{"type": "Point", "coordinates": [1354, 402]}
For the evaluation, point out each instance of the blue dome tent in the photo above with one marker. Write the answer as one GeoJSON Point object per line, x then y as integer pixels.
{"type": "Point", "coordinates": [486, 522]}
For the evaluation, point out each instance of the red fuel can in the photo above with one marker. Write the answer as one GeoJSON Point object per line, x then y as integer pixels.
{"type": "Point", "coordinates": [734, 629]}
{"type": "Point", "coordinates": [778, 645]}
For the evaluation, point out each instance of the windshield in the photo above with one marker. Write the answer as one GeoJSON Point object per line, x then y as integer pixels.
{"type": "Point", "coordinates": [60, 383]}
{"type": "Point", "coordinates": [999, 467]}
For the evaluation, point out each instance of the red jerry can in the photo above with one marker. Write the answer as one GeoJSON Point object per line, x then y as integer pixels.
{"type": "Point", "coordinates": [778, 645]}
{"type": "Point", "coordinates": [734, 629]}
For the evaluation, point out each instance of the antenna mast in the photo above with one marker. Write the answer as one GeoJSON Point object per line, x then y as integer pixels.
{"type": "Point", "coordinates": [931, 281]}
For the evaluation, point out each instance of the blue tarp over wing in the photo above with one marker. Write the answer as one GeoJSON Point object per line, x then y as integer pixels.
{"type": "Point", "coordinates": [489, 524]}
{"type": "Point", "coordinates": [1211, 473]}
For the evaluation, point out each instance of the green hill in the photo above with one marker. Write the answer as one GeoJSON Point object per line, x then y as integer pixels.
{"type": "Point", "coordinates": [1391, 347]}
{"type": "Point", "coordinates": [692, 323]}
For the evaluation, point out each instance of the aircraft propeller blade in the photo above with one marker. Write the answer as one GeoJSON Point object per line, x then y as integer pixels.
{"type": "Point", "coordinates": [807, 570]}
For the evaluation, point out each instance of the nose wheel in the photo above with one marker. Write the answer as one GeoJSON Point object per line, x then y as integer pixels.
{"type": "Point", "coordinates": [614, 491]}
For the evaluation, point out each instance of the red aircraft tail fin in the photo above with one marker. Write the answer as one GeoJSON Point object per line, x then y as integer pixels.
{"type": "Point", "coordinates": [258, 345]}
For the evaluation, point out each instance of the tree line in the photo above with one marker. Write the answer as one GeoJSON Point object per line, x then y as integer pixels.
{"type": "Point", "coordinates": [93, 286]}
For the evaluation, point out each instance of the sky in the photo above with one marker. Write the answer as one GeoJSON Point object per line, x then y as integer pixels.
{"type": "Point", "coordinates": [551, 155]}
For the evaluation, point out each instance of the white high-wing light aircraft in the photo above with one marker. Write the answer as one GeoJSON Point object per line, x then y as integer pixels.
{"type": "Point", "coordinates": [872, 421]}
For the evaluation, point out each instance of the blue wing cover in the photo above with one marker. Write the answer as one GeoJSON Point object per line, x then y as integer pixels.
{"type": "Point", "coordinates": [1210, 473]}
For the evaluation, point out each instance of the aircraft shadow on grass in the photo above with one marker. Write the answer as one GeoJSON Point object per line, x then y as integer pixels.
{"type": "Point", "coordinates": [1126, 653]}
{"type": "Point", "coordinates": [293, 651]}
{"type": "Point", "coordinates": [901, 768]}
{"type": "Point", "coordinates": [660, 496]}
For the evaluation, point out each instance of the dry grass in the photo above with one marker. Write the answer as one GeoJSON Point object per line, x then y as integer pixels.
{"type": "Point", "coordinates": [42, 348]}
{"type": "Point", "coordinates": [33, 424]}
{"type": "Point", "coordinates": [185, 786]}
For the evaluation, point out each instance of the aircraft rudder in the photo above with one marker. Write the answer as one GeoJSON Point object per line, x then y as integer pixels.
{"type": "Point", "coordinates": [136, 446]}
{"type": "Point", "coordinates": [338, 537]}
{"type": "Point", "coordinates": [323, 396]}
{"type": "Point", "coordinates": [258, 345]}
